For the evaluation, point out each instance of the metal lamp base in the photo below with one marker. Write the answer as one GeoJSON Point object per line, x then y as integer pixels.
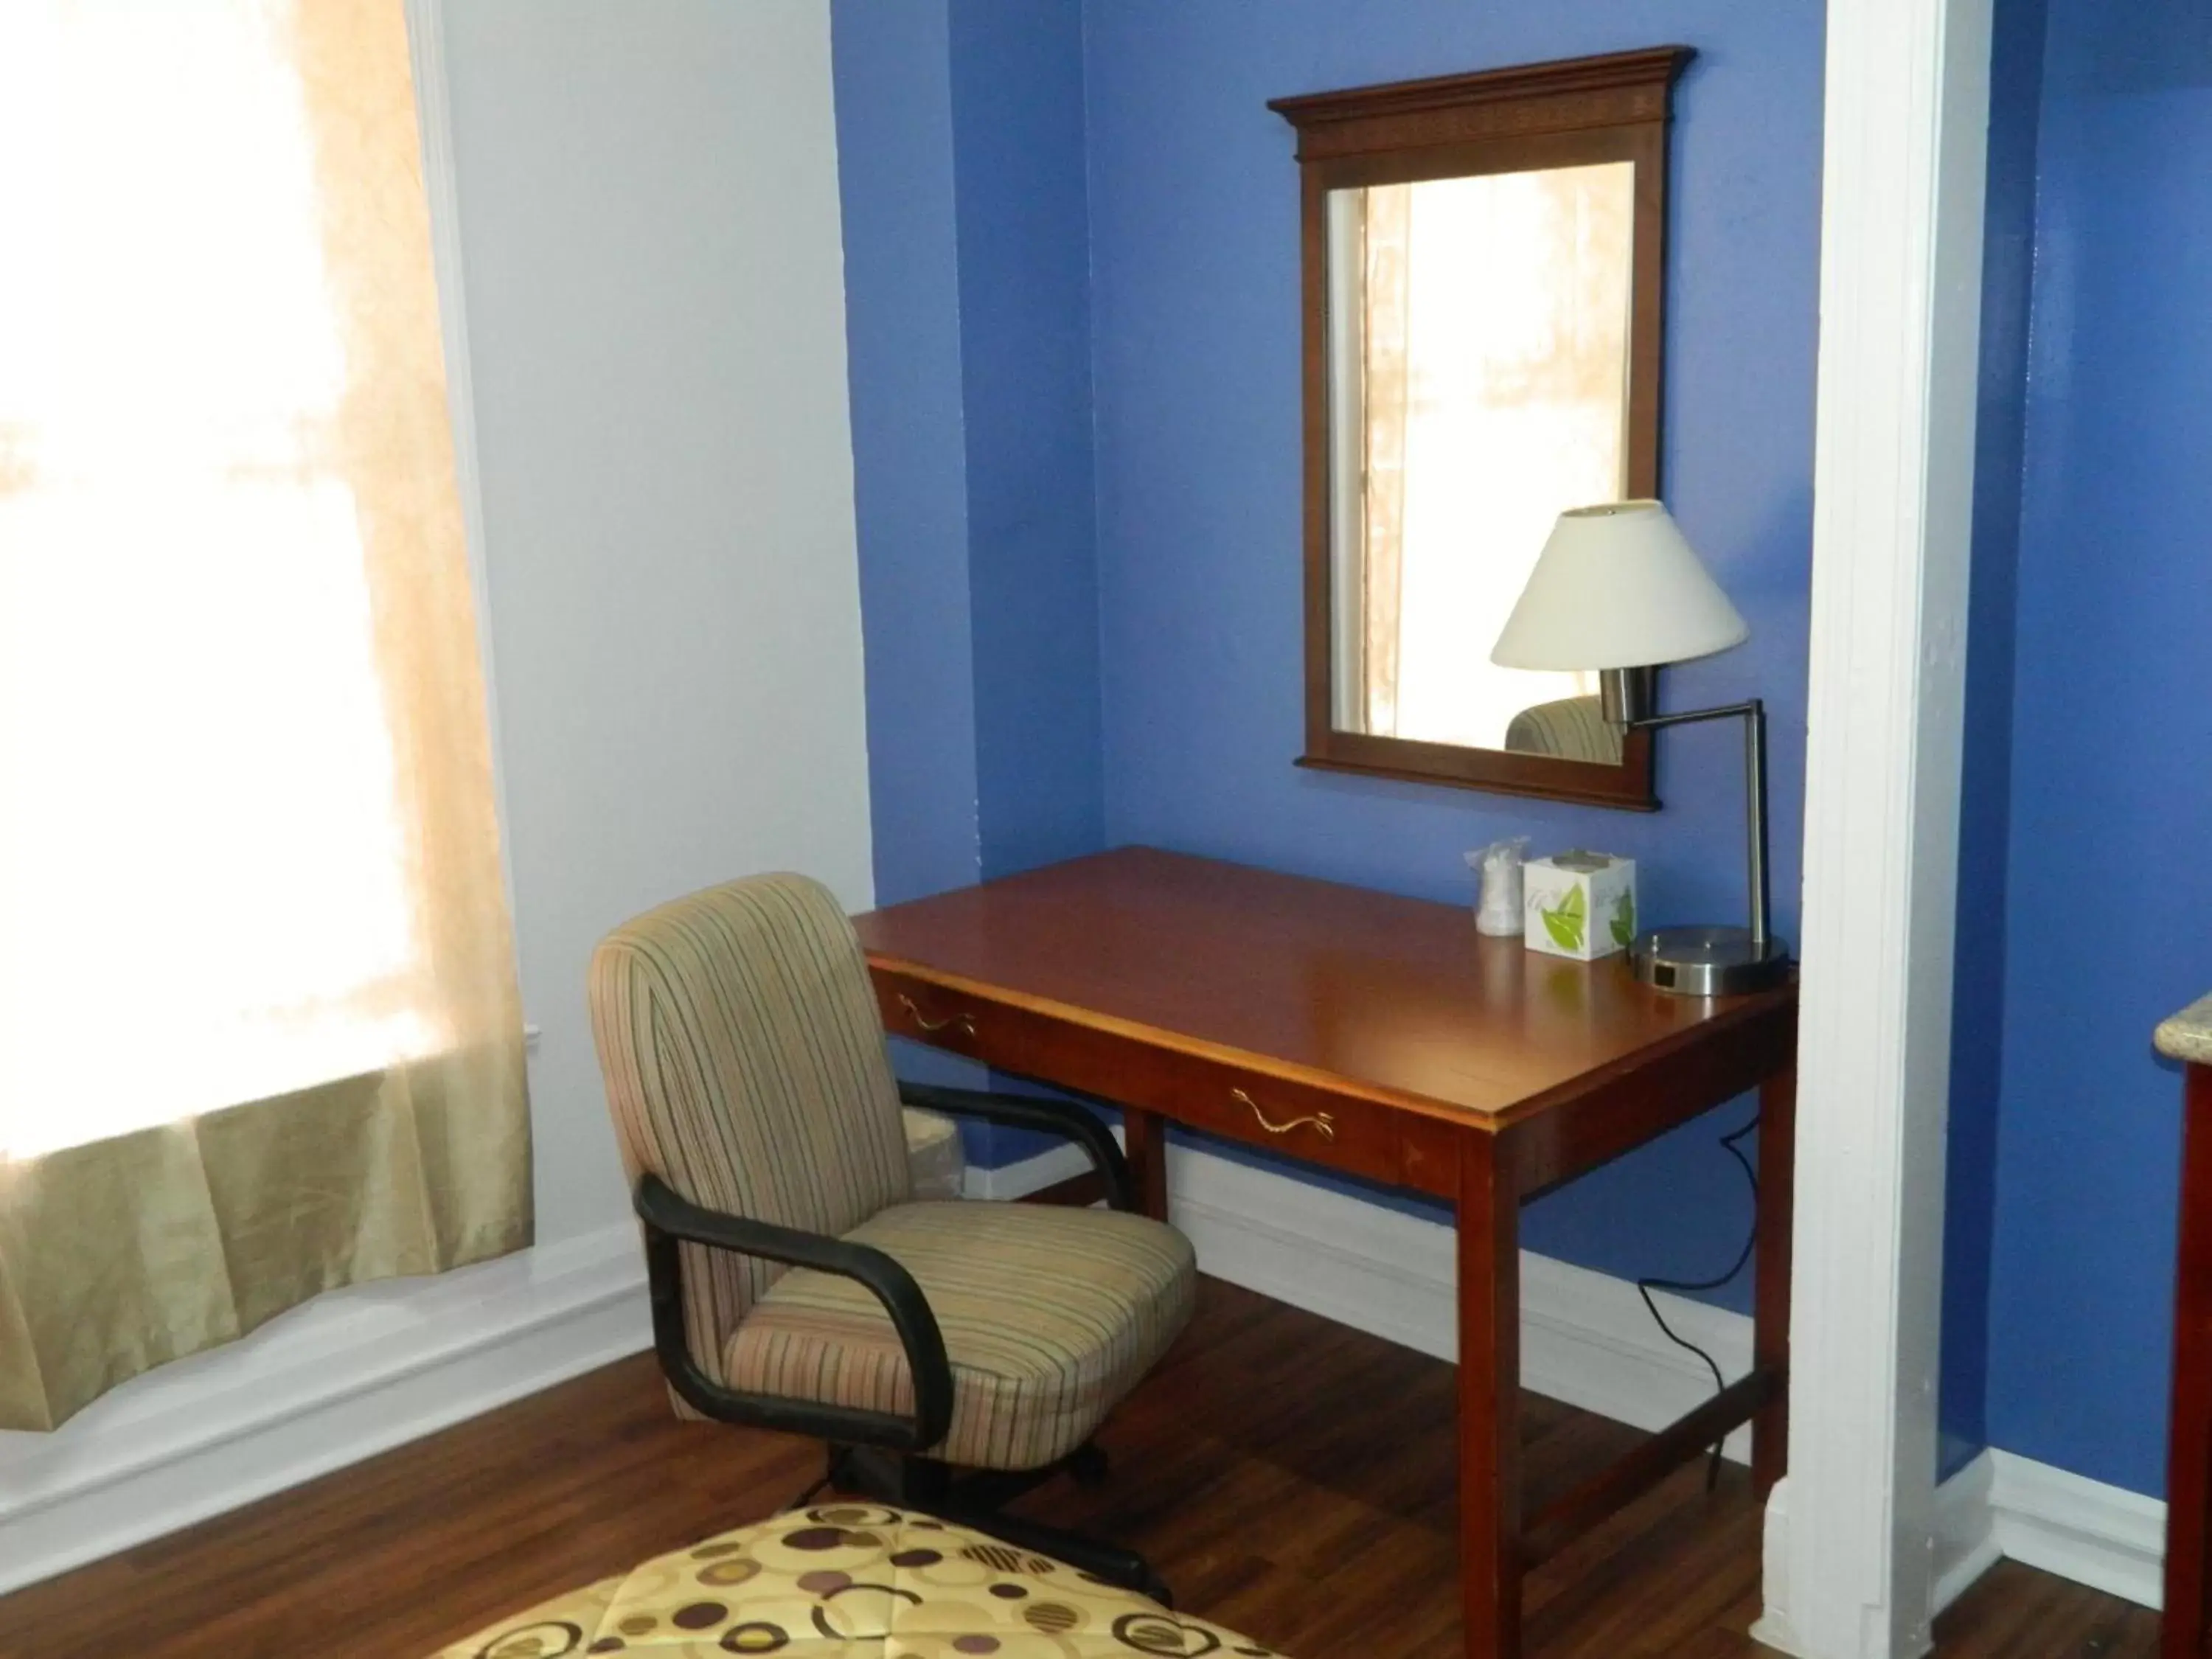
{"type": "Point", "coordinates": [1708, 961]}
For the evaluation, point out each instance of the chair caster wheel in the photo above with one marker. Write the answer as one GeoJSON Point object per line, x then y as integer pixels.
{"type": "Point", "coordinates": [1089, 1465]}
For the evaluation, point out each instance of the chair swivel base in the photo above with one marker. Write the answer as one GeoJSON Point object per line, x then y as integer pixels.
{"type": "Point", "coordinates": [977, 1500]}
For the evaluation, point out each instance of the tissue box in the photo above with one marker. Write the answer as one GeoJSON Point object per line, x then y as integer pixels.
{"type": "Point", "coordinates": [1579, 904]}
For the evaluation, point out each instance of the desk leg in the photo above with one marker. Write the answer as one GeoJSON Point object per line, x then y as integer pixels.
{"type": "Point", "coordinates": [1489, 1398]}
{"type": "Point", "coordinates": [1770, 1342]}
{"type": "Point", "coordinates": [1144, 1140]}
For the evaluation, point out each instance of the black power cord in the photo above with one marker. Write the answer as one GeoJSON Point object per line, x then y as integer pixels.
{"type": "Point", "coordinates": [1732, 1143]}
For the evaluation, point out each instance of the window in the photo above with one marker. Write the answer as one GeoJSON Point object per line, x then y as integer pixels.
{"type": "Point", "coordinates": [244, 788]}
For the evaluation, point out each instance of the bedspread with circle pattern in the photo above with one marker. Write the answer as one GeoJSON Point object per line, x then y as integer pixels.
{"type": "Point", "coordinates": [850, 1581]}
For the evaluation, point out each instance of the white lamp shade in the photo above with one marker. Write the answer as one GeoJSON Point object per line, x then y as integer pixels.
{"type": "Point", "coordinates": [1616, 587]}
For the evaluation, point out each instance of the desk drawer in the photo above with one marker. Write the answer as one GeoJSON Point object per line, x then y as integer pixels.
{"type": "Point", "coordinates": [1290, 1118]}
{"type": "Point", "coordinates": [929, 1013]}
{"type": "Point", "coordinates": [1294, 1119]}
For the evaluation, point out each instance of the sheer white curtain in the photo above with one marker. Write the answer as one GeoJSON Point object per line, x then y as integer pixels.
{"type": "Point", "coordinates": [248, 846]}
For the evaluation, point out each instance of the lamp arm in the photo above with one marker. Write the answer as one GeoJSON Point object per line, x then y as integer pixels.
{"type": "Point", "coordinates": [1753, 713]}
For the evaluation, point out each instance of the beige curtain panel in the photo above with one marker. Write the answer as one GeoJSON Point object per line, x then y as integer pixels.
{"type": "Point", "coordinates": [259, 1033]}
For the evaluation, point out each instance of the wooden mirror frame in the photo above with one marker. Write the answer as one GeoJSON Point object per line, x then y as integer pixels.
{"type": "Point", "coordinates": [1569, 114]}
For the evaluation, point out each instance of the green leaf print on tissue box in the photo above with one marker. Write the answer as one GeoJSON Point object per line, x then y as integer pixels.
{"type": "Point", "coordinates": [1564, 923]}
{"type": "Point", "coordinates": [1580, 904]}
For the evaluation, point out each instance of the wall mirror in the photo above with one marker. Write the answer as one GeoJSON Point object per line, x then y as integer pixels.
{"type": "Point", "coordinates": [1483, 264]}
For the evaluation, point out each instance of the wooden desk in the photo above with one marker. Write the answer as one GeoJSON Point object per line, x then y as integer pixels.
{"type": "Point", "coordinates": [1385, 1037]}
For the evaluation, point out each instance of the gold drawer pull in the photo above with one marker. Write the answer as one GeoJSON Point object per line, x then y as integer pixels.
{"type": "Point", "coordinates": [1322, 1124]}
{"type": "Point", "coordinates": [964, 1024]}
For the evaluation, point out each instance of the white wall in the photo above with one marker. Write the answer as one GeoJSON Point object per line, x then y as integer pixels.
{"type": "Point", "coordinates": [649, 221]}
{"type": "Point", "coordinates": [648, 203]}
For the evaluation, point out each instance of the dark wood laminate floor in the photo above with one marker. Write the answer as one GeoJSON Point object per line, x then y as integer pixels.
{"type": "Point", "coordinates": [1292, 1478]}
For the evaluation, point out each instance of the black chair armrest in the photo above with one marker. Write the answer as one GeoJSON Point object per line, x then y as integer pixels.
{"type": "Point", "coordinates": [1058, 1117]}
{"type": "Point", "coordinates": [670, 1217]}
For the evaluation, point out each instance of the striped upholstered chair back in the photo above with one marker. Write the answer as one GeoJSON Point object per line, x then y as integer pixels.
{"type": "Point", "coordinates": [745, 1067]}
{"type": "Point", "coordinates": [1572, 728]}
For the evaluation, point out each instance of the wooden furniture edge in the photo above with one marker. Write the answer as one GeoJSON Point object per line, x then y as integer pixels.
{"type": "Point", "coordinates": [1757, 1007]}
{"type": "Point", "coordinates": [1496, 772]}
{"type": "Point", "coordinates": [1604, 1493]}
{"type": "Point", "coordinates": [1776, 1221]}
{"type": "Point", "coordinates": [1486, 1244]}
{"type": "Point", "coordinates": [1486, 1161]}
{"type": "Point", "coordinates": [2187, 1572]}
{"type": "Point", "coordinates": [1610, 85]}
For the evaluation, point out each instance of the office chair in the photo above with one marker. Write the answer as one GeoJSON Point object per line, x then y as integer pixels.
{"type": "Point", "coordinates": [795, 1285]}
{"type": "Point", "coordinates": [1572, 728]}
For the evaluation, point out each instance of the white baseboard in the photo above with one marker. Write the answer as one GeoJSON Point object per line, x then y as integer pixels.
{"type": "Point", "coordinates": [1967, 1540]}
{"type": "Point", "coordinates": [2104, 1536]}
{"type": "Point", "coordinates": [360, 1370]}
{"type": "Point", "coordinates": [1773, 1628]}
{"type": "Point", "coordinates": [1965, 1547]}
{"type": "Point", "coordinates": [1032, 1175]}
{"type": "Point", "coordinates": [2005, 1507]}
{"type": "Point", "coordinates": [1585, 1337]}
{"type": "Point", "coordinates": [347, 1375]}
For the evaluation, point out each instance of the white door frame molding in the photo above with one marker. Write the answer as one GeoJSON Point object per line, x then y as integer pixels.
{"type": "Point", "coordinates": [1849, 1572]}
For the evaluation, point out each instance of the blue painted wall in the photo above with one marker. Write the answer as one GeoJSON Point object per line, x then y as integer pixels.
{"type": "Point", "coordinates": [1194, 232]}
{"type": "Point", "coordinates": [1985, 816]}
{"type": "Point", "coordinates": [2110, 888]}
{"type": "Point", "coordinates": [961, 165]}
{"type": "Point", "coordinates": [967, 280]}
{"type": "Point", "coordinates": [891, 70]}
{"type": "Point", "coordinates": [1070, 237]}
{"type": "Point", "coordinates": [1022, 211]}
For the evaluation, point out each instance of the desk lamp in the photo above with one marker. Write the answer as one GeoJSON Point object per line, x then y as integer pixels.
{"type": "Point", "coordinates": [1618, 589]}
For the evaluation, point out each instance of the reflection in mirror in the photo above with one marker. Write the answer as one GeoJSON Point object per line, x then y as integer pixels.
{"type": "Point", "coordinates": [1478, 354]}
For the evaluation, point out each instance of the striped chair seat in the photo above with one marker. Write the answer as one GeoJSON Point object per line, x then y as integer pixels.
{"type": "Point", "coordinates": [1050, 1315]}
{"type": "Point", "coordinates": [854, 1580]}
